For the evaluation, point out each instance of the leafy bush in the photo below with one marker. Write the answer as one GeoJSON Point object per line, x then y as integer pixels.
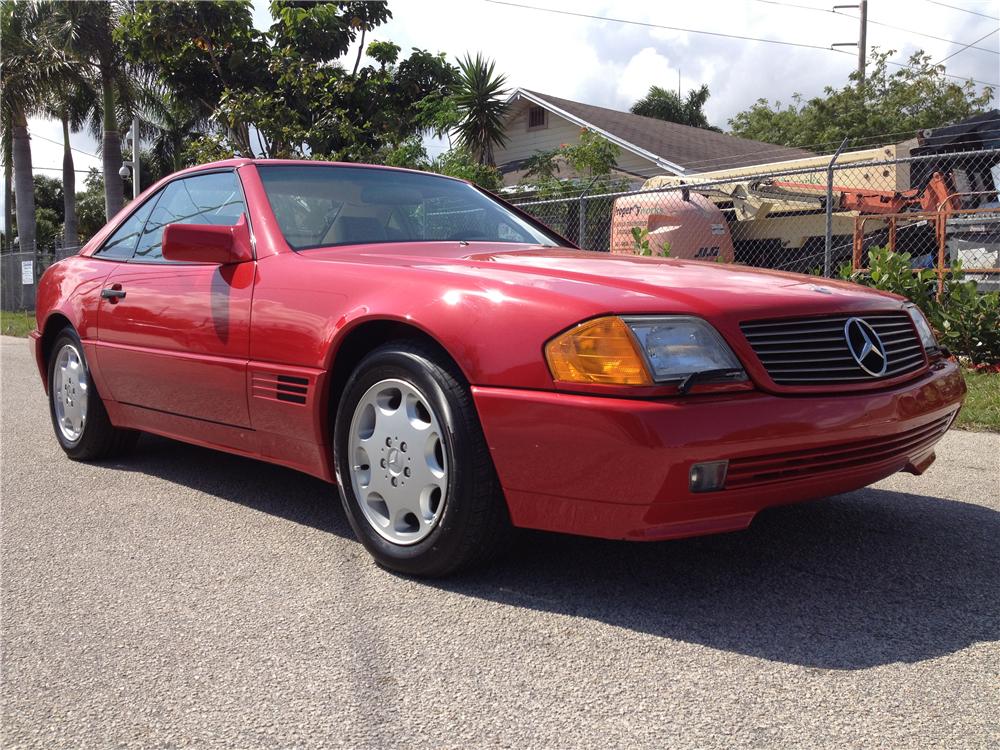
{"type": "Point", "coordinates": [640, 240]}
{"type": "Point", "coordinates": [965, 321]}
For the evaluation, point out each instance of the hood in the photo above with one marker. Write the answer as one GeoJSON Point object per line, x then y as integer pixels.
{"type": "Point", "coordinates": [623, 283]}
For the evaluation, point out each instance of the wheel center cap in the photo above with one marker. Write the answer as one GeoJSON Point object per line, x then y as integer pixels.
{"type": "Point", "coordinates": [394, 461]}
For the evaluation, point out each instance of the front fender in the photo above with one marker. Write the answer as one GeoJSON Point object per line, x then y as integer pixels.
{"type": "Point", "coordinates": [495, 332]}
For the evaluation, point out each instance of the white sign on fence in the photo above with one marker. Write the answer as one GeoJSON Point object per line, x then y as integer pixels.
{"type": "Point", "coordinates": [27, 272]}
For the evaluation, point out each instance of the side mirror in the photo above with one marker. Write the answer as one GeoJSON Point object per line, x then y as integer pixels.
{"type": "Point", "coordinates": [208, 243]}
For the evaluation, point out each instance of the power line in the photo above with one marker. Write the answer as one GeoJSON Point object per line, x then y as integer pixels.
{"type": "Point", "coordinates": [60, 169]}
{"type": "Point", "coordinates": [991, 33]}
{"type": "Point", "coordinates": [659, 26]}
{"type": "Point", "coordinates": [929, 36]}
{"type": "Point", "coordinates": [964, 10]}
{"type": "Point", "coordinates": [876, 23]}
{"type": "Point", "coordinates": [60, 143]}
{"type": "Point", "coordinates": [712, 33]}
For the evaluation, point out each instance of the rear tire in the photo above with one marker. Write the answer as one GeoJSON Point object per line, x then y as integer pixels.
{"type": "Point", "coordinates": [413, 468]}
{"type": "Point", "coordinates": [79, 418]}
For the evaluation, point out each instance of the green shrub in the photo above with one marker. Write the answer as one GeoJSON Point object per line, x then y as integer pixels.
{"type": "Point", "coordinates": [640, 239]}
{"type": "Point", "coordinates": [965, 321]}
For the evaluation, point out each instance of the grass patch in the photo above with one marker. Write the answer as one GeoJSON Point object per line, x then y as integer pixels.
{"type": "Point", "coordinates": [19, 323]}
{"type": "Point", "coordinates": [982, 404]}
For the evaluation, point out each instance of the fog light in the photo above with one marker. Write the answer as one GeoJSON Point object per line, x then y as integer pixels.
{"type": "Point", "coordinates": [708, 477]}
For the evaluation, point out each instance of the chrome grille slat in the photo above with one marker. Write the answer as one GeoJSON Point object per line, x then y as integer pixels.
{"type": "Point", "coordinates": [776, 362]}
{"type": "Point", "coordinates": [873, 318]}
{"type": "Point", "coordinates": [803, 332]}
{"type": "Point", "coordinates": [801, 352]}
{"type": "Point", "coordinates": [769, 352]}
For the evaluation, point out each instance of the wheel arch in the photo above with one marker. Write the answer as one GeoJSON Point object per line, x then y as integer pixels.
{"type": "Point", "coordinates": [55, 323]}
{"type": "Point", "coordinates": [362, 338]}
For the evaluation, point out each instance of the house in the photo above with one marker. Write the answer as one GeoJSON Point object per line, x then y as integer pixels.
{"type": "Point", "coordinates": [649, 147]}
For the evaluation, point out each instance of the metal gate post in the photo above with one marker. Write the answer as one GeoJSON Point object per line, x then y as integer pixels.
{"type": "Point", "coordinates": [828, 246]}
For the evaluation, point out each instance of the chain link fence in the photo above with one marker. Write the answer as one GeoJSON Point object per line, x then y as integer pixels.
{"type": "Point", "coordinates": [20, 272]}
{"type": "Point", "coordinates": [811, 216]}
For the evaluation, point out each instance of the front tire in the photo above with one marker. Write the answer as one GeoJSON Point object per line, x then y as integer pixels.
{"type": "Point", "coordinates": [414, 472]}
{"type": "Point", "coordinates": [79, 418]}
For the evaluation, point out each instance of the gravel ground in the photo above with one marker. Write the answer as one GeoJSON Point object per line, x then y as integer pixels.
{"type": "Point", "coordinates": [185, 598]}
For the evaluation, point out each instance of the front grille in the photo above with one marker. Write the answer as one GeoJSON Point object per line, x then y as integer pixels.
{"type": "Point", "coordinates": [777, 467]}
{"type": "Point", "coordinates": [814, 351]}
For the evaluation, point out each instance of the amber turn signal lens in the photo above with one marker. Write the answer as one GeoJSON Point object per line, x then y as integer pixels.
{"type": "Point", "coordinates": [598, 351]}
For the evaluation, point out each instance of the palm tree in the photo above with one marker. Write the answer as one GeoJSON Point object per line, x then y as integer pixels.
{"type": "Point", "coordinates": [666, 105]}
{"type": "Point", "coordinates": [69, 100]}
{"type": "Point", "coordinates": [8, 174]}
{"type": "Point", "coordinates": [21, 73]}
{"type": "Point", "coordinates": [169, 125]}
{"type": "Point", "coordinates": [87, 29]}
{"type": "Point", "coordinates": [481, 103]}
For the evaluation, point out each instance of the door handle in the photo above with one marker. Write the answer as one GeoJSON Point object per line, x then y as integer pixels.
{"type": "Point", "coordinates": [113, 293]}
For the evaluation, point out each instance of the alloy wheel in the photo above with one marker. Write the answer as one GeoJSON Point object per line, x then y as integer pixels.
{"type": "Point", "coordinates": [399, 467]}
{"type": "Point", "coordinates": [69, 392]}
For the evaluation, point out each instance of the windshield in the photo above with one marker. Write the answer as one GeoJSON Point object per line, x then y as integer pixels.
{"type": "Point", "coordinates": [320, 206]}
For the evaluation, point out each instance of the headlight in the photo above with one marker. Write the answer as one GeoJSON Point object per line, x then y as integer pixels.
{"type": "Point", "coordinates": [923, 327]}
{"type": "Point", "coordinates": [677, 347]}
{"type": "Point", "coordinates": [641, 351]}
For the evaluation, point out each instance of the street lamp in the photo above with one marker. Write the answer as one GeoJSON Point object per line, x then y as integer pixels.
{"type": "Point", "coordinates": [123, 171]}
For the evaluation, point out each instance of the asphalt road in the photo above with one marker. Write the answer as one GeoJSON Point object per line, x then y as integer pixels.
{"type": "Point", "coordinates": [185, 598]}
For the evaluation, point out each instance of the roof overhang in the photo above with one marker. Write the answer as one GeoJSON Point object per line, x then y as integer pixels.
{"type": "Point", "coordinates": [659, 161]}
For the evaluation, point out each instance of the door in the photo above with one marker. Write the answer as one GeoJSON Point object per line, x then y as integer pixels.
{"type": "Point", "coordinates": [175, 337]}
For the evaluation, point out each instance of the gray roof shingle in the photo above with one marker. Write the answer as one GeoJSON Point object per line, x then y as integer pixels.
{"type": "Point", "coordinates": [694, 149]}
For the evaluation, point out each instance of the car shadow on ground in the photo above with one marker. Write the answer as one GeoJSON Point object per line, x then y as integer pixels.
{"type": "Point", "coordinates": [867, 578]}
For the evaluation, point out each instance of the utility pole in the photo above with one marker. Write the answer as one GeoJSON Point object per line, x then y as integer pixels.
{"type": "Point", "coordinates": [862, 43]}
{"type": "Point", "coordinates": [862, 37]}
{"type": "Point", "coordinates": [136, 189]}
{"type": "Point", "coordinates": [123, 172]}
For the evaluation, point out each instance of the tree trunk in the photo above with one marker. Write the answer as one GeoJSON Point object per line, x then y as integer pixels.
{"type": "Point", "coordinates": [24, 186]}
{"type": "Point", "coordinates": [70, 236]}
{"type": "Point", "coordinates": [111, 152]}
{"type": "Point", "coordinates": [8, 198]}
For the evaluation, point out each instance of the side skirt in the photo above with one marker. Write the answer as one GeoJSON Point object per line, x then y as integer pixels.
{"type": "Point", "coordinates": [304, 456]}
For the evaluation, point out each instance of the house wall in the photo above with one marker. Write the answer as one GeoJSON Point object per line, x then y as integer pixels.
{"type": "Point", "coordinates": [523, 143]}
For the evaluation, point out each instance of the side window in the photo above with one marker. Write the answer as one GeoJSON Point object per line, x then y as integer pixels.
{"type": "Point", "coordinates": [203, 199]}
{"type": "Point", "coordinates": [121, 244]}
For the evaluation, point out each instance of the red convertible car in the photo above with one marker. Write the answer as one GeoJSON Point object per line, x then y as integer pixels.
{"type": "Point", "coordinates": [458, 369]}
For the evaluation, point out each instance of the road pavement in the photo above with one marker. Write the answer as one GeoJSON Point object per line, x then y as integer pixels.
{"type": "Point", "coordinates": [186, 598]}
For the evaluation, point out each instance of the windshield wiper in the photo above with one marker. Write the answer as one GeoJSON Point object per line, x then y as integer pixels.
{"type": "Point", "coordinates": [718, 374]}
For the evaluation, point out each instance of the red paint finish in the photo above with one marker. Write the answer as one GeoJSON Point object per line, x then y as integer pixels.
{"type": "Point", "coordinates": [209, 353]}
{"type": "Point", "coordinates": [178, 342]}
{"type": "Point", "coordinates": [188, 243]}
{"type": "Point", "coordinates": [619, 468]}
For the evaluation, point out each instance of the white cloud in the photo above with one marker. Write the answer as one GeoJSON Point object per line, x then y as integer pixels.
{"type": "Point", "coordinates": [646, 68]}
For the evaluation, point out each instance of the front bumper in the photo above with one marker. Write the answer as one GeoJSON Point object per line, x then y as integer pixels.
{"type": "Point", "coordinates": [618, 468]}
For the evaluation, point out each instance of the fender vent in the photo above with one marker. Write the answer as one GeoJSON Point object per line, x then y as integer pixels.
{"type": "Point", "coordinates": [289, 388]}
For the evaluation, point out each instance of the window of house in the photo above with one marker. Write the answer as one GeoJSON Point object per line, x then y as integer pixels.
{"type": "Point", "coordinates": [537, 117]}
